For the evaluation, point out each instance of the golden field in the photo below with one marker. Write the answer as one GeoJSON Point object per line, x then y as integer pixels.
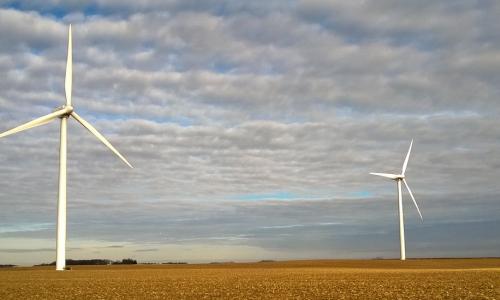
{"type": "Point", "coordinates": [318, 279]}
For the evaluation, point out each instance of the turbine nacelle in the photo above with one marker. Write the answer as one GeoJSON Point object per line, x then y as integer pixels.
{"type": "Point", "coordinates": [65, 109]}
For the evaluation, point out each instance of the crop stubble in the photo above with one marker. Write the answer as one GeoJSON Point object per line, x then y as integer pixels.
{"type": "Point", "coordinates": [324, 279]}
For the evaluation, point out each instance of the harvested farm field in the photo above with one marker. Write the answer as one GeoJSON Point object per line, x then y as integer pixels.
{"type": "Point", "coordinates": [315, 279]}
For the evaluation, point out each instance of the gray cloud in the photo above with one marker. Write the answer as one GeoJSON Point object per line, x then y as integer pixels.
{"type": "Point", "coordinates": [26, 250]}
{"type": "Point", "coordinates": [147, 250]}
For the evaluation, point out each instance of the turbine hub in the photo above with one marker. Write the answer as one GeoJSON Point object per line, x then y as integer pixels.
{"type": "Point", "coordinates": [68, 109]}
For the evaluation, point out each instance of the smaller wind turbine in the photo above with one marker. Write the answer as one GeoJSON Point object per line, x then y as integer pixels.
{"type": "Point", "coordinates": [401, 178]}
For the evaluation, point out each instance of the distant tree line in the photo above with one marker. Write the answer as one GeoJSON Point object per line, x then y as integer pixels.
{"type": "Point", "coordinates": [125, 261]}
{"type": "Point", "coordinates": [7, 266]}
{"type": "Point", "coordinates": [86, 262]}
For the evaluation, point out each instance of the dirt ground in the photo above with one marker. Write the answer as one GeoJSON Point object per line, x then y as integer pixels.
{"type": "Point", "coordinates": [318, 279]}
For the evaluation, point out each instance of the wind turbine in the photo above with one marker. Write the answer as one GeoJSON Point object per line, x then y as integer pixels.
{"type": "Point", "coordinates": [401, 178]}
{"type": "Point", "coordinates": [64, 112]}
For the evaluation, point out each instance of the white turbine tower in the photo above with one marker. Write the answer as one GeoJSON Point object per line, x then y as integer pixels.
{"type": "Point", "coordinates": [64, 112]}
{"type": "Point", "coordinates": [401, 178]}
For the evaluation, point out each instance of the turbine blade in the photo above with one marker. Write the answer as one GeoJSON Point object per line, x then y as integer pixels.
{"type": "Point", "coordinates": [386, 175]}
{"type": "Point", "coordinates": [68, 81]}
{"type": "Point", "coordinates": [405, 164]}
{"type": "Point", "coordinates": [413, 198]}
{"type": "Point", "coordinates": [99, 136]}
{"type": "Point", "coordinates": [36, 122]}
{"type": "Point", "coordinates": [39, 124]}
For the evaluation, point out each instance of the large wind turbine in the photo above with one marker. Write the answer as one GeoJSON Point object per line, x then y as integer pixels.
{"type": "Point", "coordinates": [64, 113]}
{"type": "Point", "coordinates": [401, 178]}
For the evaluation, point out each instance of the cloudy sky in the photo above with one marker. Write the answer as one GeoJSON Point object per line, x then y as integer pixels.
{"type": "Point", "coordinates": [252, 126]}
